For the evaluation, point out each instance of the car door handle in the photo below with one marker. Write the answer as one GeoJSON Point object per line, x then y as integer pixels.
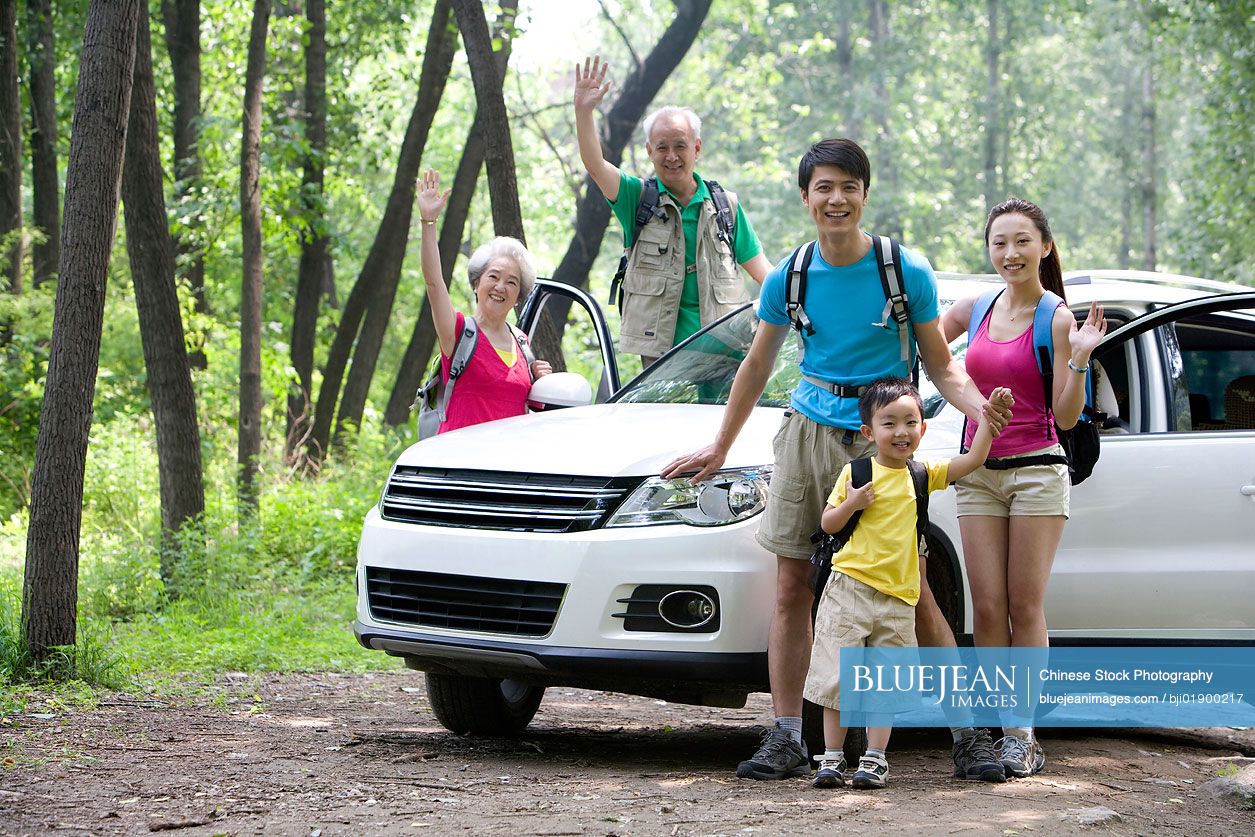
{"type": "Point", "coordinates": [1248, 490]}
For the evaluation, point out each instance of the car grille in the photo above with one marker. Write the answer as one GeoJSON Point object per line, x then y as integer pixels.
{"type": "Point", "coordinates": [463, 602]}
{"type": "Point", "coordinates": [502, 500]}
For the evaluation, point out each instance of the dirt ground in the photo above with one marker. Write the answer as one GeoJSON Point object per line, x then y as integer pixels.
{"type": "Point", "coordinates": [328, 754]}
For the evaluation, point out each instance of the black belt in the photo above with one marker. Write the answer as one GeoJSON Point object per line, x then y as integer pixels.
{"type": "Point", "coordinates": [1025, 461]}
{"type": "Point", "coordinates": [840, 390]}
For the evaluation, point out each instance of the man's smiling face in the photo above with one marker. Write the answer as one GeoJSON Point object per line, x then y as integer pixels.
{"type": "Point", "coordinates": [835, 200]}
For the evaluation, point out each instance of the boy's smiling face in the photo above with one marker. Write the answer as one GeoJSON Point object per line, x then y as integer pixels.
{"type": "Point", "coordinates": [896, 430]}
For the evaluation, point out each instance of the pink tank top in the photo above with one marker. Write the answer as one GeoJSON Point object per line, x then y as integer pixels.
{"type": "Point", "coordinates": [487, 389]}
{"type": "Point", "coordinates": [994, 363]}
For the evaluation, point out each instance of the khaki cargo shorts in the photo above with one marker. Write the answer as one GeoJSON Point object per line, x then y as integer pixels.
{"type": "Point", "coordinates": [1032, 491]}
{"type": "Point", "coordinates": [809, 456]}
{"type": "Point", "coordinates": [853, 615]}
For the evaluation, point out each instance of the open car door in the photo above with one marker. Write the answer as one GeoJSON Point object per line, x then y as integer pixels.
{"type": "Point", "coordinates": [568, 329]}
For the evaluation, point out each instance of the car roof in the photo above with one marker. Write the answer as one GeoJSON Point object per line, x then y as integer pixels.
{"type": "Point", "coordinates": [1103, 285]}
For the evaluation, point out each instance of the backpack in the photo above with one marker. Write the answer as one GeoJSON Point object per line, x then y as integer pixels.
{"type": "Point", "coordinates": [725, 223]}
{"type": "Point", "coordinates": [829, 545]}
{"type": "Point", "coordinates": [889, 265]}
{"type": "Point", "coordinates": [432, 398]}
{"type": "Point", "coordinates": [1080, 444]}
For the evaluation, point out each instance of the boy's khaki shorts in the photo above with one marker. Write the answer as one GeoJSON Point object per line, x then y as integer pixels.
{"type": "Point", "coordinates": [809, 456]}
{"type": "Point", "coordinates": [1033, 491]}
{"type": "Point", "coordinates": [853, 615]}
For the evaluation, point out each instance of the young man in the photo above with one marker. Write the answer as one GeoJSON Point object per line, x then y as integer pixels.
{"type": "Point", "coordinates": [681, 274]}
{"type": "Point", "coordinates": [819, 435]}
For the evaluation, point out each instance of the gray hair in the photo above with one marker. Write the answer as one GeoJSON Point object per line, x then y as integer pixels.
{"type": "Point", "coordinates": [510, 248]}
{"type": "Point", "coordinates": [695, 121]}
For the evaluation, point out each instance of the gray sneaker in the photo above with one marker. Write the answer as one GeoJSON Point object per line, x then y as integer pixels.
{"type": "Point", "coordinates": [1020, 757]}
{"type": "Point", "coordinates": [778, 757]}
{"type": "Point", "coordinates": [873, 772]}
{"type": "Point", "coordinates": [975, 758]}
{"type": "Point", "coordinates": [831, 773]}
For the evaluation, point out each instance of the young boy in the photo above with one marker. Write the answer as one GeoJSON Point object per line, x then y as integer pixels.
{"type": "Point", "coordinates": [870, 597]}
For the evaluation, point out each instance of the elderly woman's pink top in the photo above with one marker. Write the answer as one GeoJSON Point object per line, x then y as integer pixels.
{"type": "Point", "coordinates": [487, 389]}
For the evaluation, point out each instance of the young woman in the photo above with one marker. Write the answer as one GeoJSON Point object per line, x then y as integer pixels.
{"type": "Point", "coordinates": [496, 380]}
{"type": "Point", "coordinates": [1011, 518]}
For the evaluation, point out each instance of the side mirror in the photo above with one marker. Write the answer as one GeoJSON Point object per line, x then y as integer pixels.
{"type": "Point", "coordinates": [560, 389]}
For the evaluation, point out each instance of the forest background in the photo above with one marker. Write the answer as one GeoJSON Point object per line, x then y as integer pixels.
{"type": "Point", "coordinates": [1129, 122]}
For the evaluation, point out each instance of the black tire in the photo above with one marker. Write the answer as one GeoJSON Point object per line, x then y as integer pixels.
{"type": "Point", "coordinates": [947, 590]}
{"type": "Point", "coordinates": [482, 705]}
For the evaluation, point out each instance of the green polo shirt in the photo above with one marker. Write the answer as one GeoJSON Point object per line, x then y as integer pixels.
{"type": "Point", "coordinates": [745, 244]}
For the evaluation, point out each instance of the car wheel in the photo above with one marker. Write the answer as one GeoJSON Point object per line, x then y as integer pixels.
{"type": "Point", "coordinates": [947, 590]}
{"type": "Point", "coordinates": [482, 705]}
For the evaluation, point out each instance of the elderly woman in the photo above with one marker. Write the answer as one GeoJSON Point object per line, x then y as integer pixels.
{"type": "Point", "coordinates": [496, 379]}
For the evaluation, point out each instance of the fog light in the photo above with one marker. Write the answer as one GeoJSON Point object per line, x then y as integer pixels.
{"type": "Point", "coordinates": [686, 609]}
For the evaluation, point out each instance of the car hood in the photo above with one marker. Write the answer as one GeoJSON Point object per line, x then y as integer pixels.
{"type": "Point", "coordinates": [599, 440]}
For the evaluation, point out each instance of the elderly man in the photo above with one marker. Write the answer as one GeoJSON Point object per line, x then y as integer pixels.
{"type": "Point", "coordinates": [684, 236]}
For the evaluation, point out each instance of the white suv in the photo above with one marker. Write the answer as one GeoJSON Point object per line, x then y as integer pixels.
{"type": "Point", "coordinates": [545, 550]}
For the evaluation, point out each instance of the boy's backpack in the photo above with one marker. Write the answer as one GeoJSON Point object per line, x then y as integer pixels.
{"type": "Point", "coordinates": [828, 545]}
{"type": "Point", "coordinates": [725, 223]}
{"type": "Point", "coordinates": [1080, 444]}
{"type": "Point", "coordinates": [432, 398]}
{"type": "Point", "coordinates": [889, 265]}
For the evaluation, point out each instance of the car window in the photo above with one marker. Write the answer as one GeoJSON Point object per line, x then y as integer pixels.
{"type": "Point", "coordinates": [700, 370]}
{"type": "Point", "coordinates": [1214, 379]}
{"type": "Point", "coordinates": [564, 330]}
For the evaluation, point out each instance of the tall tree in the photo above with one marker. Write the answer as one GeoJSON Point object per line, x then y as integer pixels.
{"type": "Point", "coordinates": [992, 95]}
{"type": "Point", "coordinates": [93, 174]}
{"type": "Point", "coordinates": [151, 252]}
{"type": "Point", "coordinates": [1150, 196]}
{"type": "Point", "coordinates": [10, 149]}
{"type": "Point", "coordinates": [375, 289]}
{"type": "Point", "coordinates": [251, 284]}
{"type": "Point", "coordinates": [315, 265]}
{"type": "Point", "coordinates": [182, 27]}
{"type": "Point", "coordinates": [503, 190]}
{"type": "Point", "coordinates": [419, 349]}
{"type": "Point", "coordinates": [592, 214]}
{"type": "Point", "coordinates": [41, 57]}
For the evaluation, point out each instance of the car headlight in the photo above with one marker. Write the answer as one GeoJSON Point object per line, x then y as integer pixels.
{"type": "Point", "coordinates": [725, 498]}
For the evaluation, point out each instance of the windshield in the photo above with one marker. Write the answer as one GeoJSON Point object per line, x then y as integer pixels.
{"type": "Point", "coordinates": [700, 370]}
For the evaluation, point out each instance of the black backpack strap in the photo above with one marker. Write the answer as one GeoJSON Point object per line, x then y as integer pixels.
{"type": "Point", "coordinates": [645, 209]}
{"type": "Point", "coordinates": [889, 265]}
{"type": "Point", "coordinates": [860, 475]}
{"type": "Point", "coordinates": [919, 478]}
{"type": "Point", "coordinates": [725, 218]}
{"type": "Point", "coordinates": [525, 346]}
{"type": "Point", "coordinates": [795, 289]}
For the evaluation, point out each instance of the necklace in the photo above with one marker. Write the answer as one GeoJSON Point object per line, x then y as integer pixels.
{"type": "Point", "coordinates": [1012, 314]}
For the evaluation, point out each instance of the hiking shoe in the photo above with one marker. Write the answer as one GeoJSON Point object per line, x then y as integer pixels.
{"type": "Point", "coordinates": [778, 757]}
{"type": "Point", "coordinates": [873, 772]}
{"type": "Point", "coordinates": [1020, 756]}
{"type": "Point", "coordinates": [975, 758]}
{"type": "Point", "coordinates": [831, 773]}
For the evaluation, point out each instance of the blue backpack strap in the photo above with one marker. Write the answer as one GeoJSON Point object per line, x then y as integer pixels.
{"type": "Point", "coordinates": [980, 310]}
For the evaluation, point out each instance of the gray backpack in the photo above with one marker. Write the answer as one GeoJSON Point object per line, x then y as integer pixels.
{"type": "Point", "coordinates": [432, 399]}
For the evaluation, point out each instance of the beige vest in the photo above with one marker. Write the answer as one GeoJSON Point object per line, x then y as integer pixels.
{"type": "Point", "coordinates": [655, 279]}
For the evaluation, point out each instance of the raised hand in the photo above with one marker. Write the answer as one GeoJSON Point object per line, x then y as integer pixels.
{"type": "Point", "coordinates": [590, 83]}
{"type": "Point", "coordinates": [1084, 338]}
{"type": "Point", "coordinates": [431, 201]}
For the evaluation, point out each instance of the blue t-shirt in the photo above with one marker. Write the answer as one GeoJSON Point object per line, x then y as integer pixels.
{"type": "Point", "coordinates": [843, 304]}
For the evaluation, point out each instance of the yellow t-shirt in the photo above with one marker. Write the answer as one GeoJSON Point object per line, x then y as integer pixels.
{"type": "Point", "coordinates": [506, 355]}
{"type": "Point", "coordinates": [883, 552]}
